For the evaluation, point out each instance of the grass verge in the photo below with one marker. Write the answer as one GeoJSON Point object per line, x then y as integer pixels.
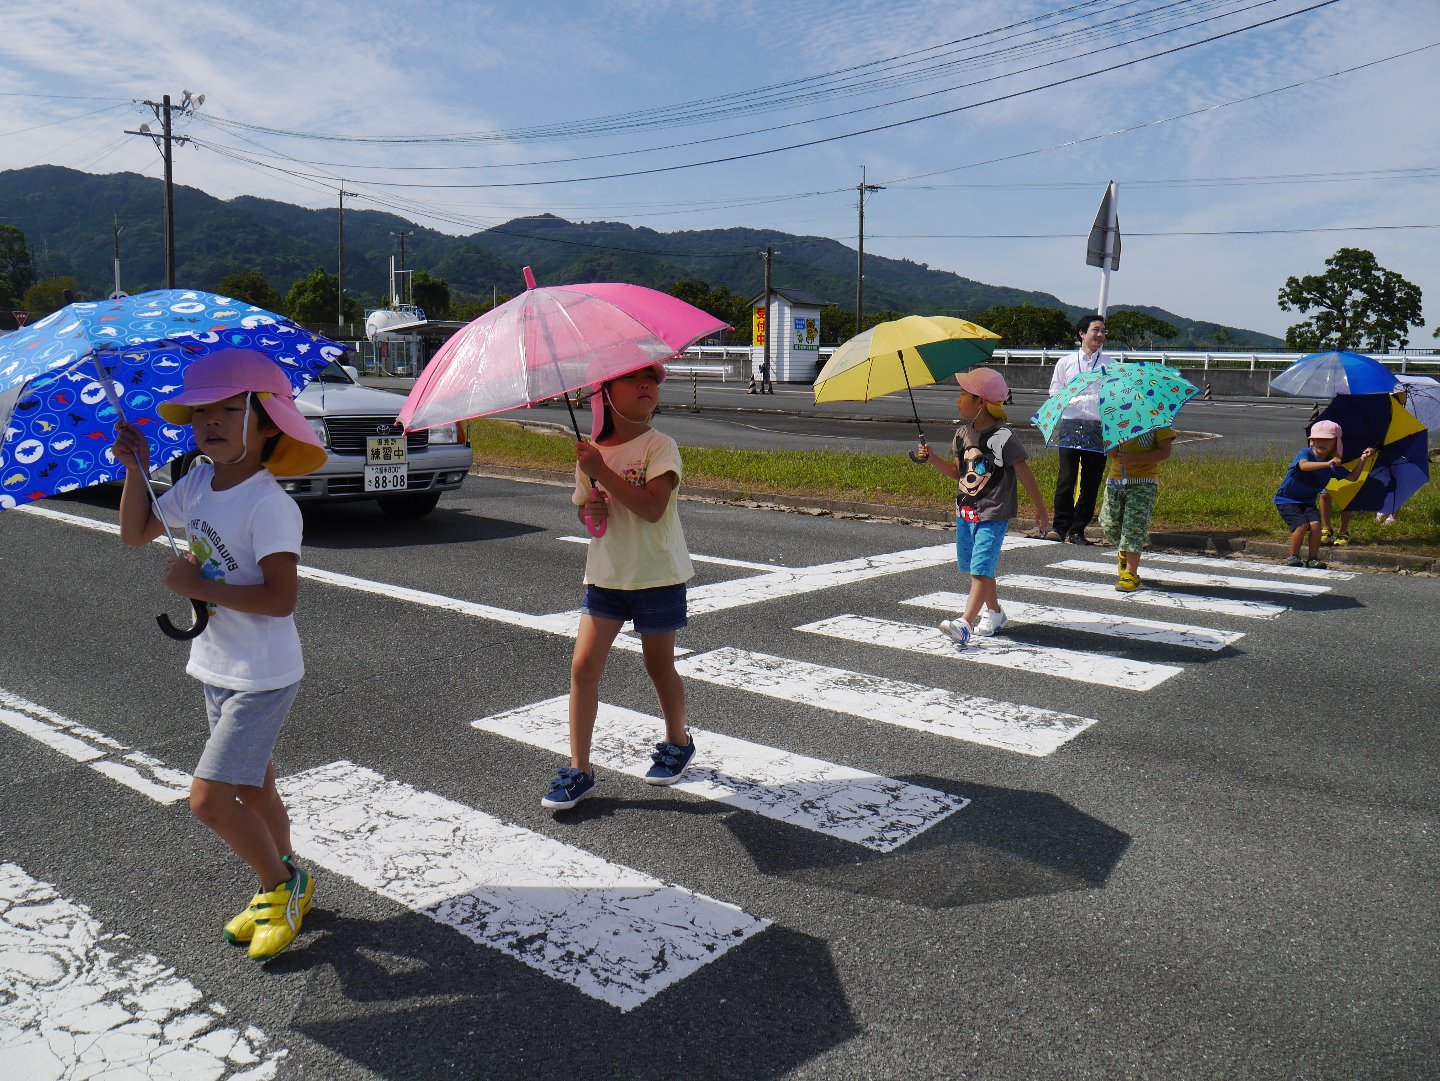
{"type": "Point", "coordinates": [1230, 497]}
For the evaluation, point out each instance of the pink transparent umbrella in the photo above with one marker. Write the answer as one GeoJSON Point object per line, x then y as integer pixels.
{"type": "Point", "coordinates": [550, 341]}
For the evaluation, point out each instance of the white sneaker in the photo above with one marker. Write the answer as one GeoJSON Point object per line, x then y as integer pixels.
{"type": "Point", "coordinates": [957, 629]}
{"type": "Point", "coordinates": [990, 622]}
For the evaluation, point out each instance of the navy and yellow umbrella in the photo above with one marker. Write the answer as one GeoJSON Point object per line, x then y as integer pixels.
{"type": "Point", "coordinates": [1401, 463]}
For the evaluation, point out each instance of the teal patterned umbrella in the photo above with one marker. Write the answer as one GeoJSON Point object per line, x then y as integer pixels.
{"type": "Point", "coordinates": [1102, 408]}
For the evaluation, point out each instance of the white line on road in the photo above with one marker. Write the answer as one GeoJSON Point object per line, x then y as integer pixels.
{"type": "Point", "coordinates": [1315, 573]}
{"type": "Point", "coordinates": [613, 933]}
{"type": "Point", "coordinates": [81, 1002]}
{"type": "Point", "coordinates": [1074, 619]}
{"type": "Point", "coordinates": [1117, 672]}
{"type": "Point", "coordinates": [1159, 598]}
{"type": "Point", "coordinates": [721, 561]}
{"type": "Point", "coordinates": [1187, 578]}
{"type": "Point", "coordinates": [853, 805]}
{"type": "Point", "coordinates": [1023, 729]}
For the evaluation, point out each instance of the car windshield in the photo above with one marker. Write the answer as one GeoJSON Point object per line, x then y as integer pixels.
{"type": "Point", "coordinates": [333, 373]}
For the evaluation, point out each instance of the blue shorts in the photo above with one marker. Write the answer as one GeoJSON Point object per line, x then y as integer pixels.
{"type": "Point", "coordinates": [244, 726]}
{"type": "Point", "coordinates": [977, 546]}
{"type": "Point", "coordinates": [652, 611]}
{"type": "Point", "coordinates": [1298, 515]}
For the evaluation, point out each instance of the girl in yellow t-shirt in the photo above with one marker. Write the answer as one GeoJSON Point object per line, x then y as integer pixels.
{"type": "Point", "coordinates": [636, 570]}
{"type": "Point", "coordinates": [1130, 495]}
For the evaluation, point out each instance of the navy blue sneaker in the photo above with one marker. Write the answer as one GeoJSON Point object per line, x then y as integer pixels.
{"type": "Point", "coordinates": [670, 762]}
{"type": "Point", "coordinates": [568, 788]}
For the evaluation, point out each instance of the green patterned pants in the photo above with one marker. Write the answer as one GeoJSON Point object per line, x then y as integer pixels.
{"type": "Point", "coordinates": [1125, 514]}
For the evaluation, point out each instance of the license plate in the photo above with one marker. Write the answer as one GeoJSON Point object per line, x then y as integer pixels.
{"type": "Point", "coordinates": [385, 449]}
{"type": "Point", "coordinates": [387, 478]}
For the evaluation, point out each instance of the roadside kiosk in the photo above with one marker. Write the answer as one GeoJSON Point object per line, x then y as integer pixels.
{"type": "Point", "coordinates": [792, 323]}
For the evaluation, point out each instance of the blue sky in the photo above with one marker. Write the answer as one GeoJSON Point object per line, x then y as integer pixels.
{"type": "Point", "coordinates": [536, 86]}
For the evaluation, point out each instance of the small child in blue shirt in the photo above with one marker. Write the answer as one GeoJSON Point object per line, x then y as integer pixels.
{"type": "Point", "coordinates": [1299, 493]}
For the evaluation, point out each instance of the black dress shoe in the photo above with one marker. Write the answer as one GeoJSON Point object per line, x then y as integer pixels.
{"type": "Point", "coordinates": [1078, 538]}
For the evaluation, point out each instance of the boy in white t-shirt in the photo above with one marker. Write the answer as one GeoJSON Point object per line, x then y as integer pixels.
{"type": "Point", "coordinates": [244, 538]}
{"type": "Point", "coordinates": [636, 570]}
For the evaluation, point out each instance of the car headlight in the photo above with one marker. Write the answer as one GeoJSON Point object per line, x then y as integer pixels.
{"type": "Point", "coordinates": [317, 425]}
{"type": "Point", "coordinates": [446, 433]}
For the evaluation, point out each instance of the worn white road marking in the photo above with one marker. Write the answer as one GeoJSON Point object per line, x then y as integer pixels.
{"type": "Point", "coordinates": [1150, 573]}
{"type": "Point", "coordinates": [1074, 619]}
{"type": "Point", "coordinates": [1159, 598]}
{"type": "Point", "coordinates": [616, 934]}
{"type": "Point", "coordinates": [1024, 729]}
{"type": "Point", "coordinates": [1314, 573]}
{"type": "Point", "coordinates": [134, 769]}
{"type": "Point", "coordinates": [79, 1002]}
{"type": "Point", "coordinates": [789, 582]}
{"type": "Point", "coordinates": [720, 561]}
{"type": "Point", "coordinates": [1085, 667]}
{"type": "Point", "coordinates": [837, 801]}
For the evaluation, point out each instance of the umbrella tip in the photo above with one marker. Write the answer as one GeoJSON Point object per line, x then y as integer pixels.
{"type": "Point", "coordinates": [529, 278]}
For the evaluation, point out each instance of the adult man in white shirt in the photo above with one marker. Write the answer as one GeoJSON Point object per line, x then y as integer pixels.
{"type": "Point", "coordinates": [1074, 511]}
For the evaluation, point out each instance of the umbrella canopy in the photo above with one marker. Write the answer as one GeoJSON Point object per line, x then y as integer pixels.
{"type": "Point", "coordinates": [1104, 407]}
{"type": "Point", "coordinates": [1324, 375]}
{"type": "Point", "coordinates": [59, 418]}
{"type": "Point", "coordinates": [1401, 463]}
{"type": "Point", "coordinates": [547, 342]}
{"type": "Point", "coordinates": [911, 352]}
{"type": "Point", "coordinates": [1422, 399]}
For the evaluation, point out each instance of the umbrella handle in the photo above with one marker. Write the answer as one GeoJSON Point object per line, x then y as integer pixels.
{"type": "Point", "coordinates": [597, 529]}
{"type": "Point", "coordinates": [202, 618]}
{"type": "Point", "coordinates": [917, 460]}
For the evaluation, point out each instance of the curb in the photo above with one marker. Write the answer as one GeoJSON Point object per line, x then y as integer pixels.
{"type": "Point", "coordinates": [935, 517]}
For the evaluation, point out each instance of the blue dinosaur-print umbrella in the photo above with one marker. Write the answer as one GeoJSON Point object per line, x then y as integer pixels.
{"type": "Point", "coordinates": [1104, 407]}
{"type": "Point", "coordinates": [59, 418]}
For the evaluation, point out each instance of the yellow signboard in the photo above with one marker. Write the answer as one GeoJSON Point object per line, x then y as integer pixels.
{"type": "Point", "coordinates": [757, 325]}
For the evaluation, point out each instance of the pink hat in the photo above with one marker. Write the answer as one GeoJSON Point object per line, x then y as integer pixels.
{"type": "Point", "coordinates": [1328, 429]}
{"type": "Point", "coordinates": [228, 372]}
{"type": "Point", "coordinates": [597, 397]}
{"type": "Point", "coordinates": [985, 383]}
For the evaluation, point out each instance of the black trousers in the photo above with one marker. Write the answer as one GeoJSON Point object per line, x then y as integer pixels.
{"type": "Point", "coordinates": [1073, 512]}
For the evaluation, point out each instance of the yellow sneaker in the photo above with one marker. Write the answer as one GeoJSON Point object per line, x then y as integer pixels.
{"type": "Point", "coordinates": [279, 914]}
{"type": "Point", "coordinates": [1326, 535]}
{"type": "Point", "coordinates": [241, 929]}
{"type": "Point", "coordinates": [1128, 582]}
{"type": "Point", "coordinates": [1342, 540]}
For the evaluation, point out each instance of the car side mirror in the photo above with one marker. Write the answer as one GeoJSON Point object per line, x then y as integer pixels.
{"type": "Point", "coordinates": [352, 371]}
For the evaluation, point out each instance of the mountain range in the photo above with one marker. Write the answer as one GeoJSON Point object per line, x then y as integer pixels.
{"type": "Point", "coordinates": [68, 218]}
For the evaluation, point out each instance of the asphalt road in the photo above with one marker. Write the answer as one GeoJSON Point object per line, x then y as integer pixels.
{"type": "Point", "coordinates": [1204, 862]}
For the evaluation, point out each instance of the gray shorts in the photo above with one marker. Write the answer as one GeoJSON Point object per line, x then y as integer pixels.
{"type": "Point", "coordinates": [244, 726]}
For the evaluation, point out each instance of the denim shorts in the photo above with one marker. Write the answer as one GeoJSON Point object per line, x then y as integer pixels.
{"type": "Point", "coordinates": [244, 726]}
{"type": "Point", "coordinates": [1297, 515]}
{"type": "Point", "coordinates": [652, 611]}
{"type": "Point", "coordinates": [977, 546]}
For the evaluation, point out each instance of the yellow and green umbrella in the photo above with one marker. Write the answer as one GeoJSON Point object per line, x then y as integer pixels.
{"type": "Point", "coordinates": [902, 354]}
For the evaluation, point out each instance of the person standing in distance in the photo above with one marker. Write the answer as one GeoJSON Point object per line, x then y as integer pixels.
{"type": "Point", "coordinates": [1074, 510]}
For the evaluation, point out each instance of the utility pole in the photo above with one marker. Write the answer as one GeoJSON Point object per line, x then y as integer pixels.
{"type": "Point", "coordinates": [164, 140]}
{"type": "Point", "coordinates": [400, 239]}
{"type": "Point", "coordinates": [340, 261]}
{"type": "Point", "coordinates": [862, 188]}
{"type": "Point", "coordinates": [118, 227]}
{"type": "Point", "coordinates": [766, 387]}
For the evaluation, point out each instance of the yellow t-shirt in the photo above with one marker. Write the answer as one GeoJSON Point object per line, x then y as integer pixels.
{"type": "Point", "coordinates": [634, 553]}
{"type": "Point", "coordinates": [1141, 444]}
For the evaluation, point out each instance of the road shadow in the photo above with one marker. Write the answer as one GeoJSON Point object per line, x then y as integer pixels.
{"type": "Point", "coordinates": [406, 997]}
{"type": "Point", "coordinates": [1007, 843]}
{"type": "Point", "coordinates": [365, 525]}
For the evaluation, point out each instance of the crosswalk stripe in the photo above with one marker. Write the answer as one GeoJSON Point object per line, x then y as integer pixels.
{"type": "Point", "coordinates": [81, 1002]}
{"type": "Point", "coordinates": [613, 933]}
{"type": "Point", "coordinates": [866, 809]}
{"type": "Point", "coordinates": [1189, 578]}
{"type": "Point", "coordinates": [564, 624]}
{"type": "Point", "coordinates": [784, 582]}
{"type": "Point", "coordinates": [1074, 619]}
{"type": "Point", "coordinates": [1190, 602]}
{"type": "Point", "coordinates": [1023, 729]}
{"type": "Point", "coordinates": [1314, 573]}
{"type": "Point", "coordinates": [134, 769]}
{"type": "Point", "coordinates": [1118, 672]}
{"type": "Point", "coordinates": [719, 561]}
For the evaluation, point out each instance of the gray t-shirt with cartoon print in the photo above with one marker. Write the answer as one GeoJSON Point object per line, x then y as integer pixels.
{"type": "Point", "coordinates": [985, 490]}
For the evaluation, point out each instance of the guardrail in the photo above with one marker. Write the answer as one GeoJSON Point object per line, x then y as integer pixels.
{"type": "Point", "coordinates": [1205, 361]}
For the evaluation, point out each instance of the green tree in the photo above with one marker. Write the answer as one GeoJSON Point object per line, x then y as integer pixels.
{"type": "Point", "coordinates": [719, 302]}
{"type": "Point", "coordinates": [17, 272]}
{"type": "Point", "coordinates": [1357, 304]}
{"type": "Point", "coordinates": [42, 298]}
{"type": "Point", "coordinates": [430, 294]}
{"type": "Point", "coordinates": [251, 287]}
{"type": "Point", "coordinates": [1025, 326]}
{"type": "Point", "coordinates": [1136, 330]}
{"type": "Point", "coordinates": [312, 300]}
{"type": "Point", "coordinates": [470, 309]}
